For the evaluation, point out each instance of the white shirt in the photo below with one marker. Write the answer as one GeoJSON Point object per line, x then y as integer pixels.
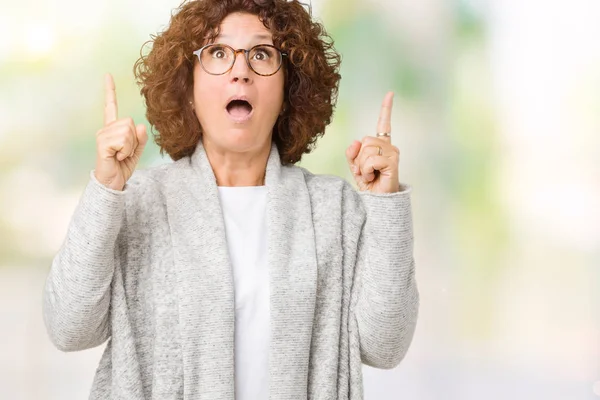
{"type": "Point", "coordinates": [244, 212]}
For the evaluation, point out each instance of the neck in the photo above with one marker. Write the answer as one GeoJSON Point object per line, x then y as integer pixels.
{"type": "Point", "coordinates": [238, 168]}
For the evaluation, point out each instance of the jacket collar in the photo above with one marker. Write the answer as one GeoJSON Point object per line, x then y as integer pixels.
{"type": "Point", "coordinates": [205, 290]}
{"type": "Point", "coordinates": [200, 163]}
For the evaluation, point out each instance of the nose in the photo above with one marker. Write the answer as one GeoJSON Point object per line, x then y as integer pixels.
{"type": "Point", "coordinates": [240, 69]}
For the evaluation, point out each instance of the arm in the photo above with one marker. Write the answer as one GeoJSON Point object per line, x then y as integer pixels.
{"type": "Point", "coordinates": [76, 296]}
{"type": "Point", "coordinates": [388, 300]}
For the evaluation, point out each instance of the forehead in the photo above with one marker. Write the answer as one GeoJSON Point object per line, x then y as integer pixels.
{"type": "Point", "coordinates": [243, 25]}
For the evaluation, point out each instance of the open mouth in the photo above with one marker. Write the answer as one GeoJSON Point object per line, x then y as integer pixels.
{"type": "Point", "coordinates": [239, 110]}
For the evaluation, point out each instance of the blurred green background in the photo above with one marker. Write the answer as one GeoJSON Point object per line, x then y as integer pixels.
{"type": "Point", "coordinates": [496, 115]}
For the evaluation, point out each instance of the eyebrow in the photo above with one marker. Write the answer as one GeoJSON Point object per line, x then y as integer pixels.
{"type": "Point", "coordinates": [256, 36]}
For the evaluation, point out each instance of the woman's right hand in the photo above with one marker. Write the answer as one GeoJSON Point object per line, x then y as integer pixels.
{"type": "Point", "coordinates": [119, 143]}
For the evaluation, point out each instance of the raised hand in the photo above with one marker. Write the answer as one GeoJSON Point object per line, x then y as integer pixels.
{"type": "Point", "coordinates": [374, 160]}
{"type": "Point", "coordinates": [119, 143]}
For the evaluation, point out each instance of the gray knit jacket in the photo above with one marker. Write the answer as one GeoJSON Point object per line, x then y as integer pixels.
{"type": "Point", "coordinates": [147, 269]}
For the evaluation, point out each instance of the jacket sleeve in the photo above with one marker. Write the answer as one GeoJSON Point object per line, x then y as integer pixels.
{"type": "Point", "coordinates": [76, 297]}
{"type": "Point", "coordinates": [387, 297]}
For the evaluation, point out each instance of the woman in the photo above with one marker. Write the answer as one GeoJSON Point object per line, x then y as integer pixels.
{"type": "Point", "coordinates": [231, 272]}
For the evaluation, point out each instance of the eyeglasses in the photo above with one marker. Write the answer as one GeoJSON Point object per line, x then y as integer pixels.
{"type": "Point", "coordinates": [218, 59]}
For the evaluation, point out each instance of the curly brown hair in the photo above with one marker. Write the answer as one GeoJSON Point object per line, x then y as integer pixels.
{"type": "Point", "coordinates": [165, 74]}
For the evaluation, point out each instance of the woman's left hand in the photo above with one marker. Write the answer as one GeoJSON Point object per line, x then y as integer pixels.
{"type": "Point", "coordinates": [374, 161]}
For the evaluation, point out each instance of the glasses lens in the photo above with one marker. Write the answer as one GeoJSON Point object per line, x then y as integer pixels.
{"type": "Point", "coordinates": [216, 59]}
{"type": "Point", "coordinates": [265, 60]}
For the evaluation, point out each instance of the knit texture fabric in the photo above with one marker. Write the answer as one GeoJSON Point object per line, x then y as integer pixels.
{"type": "Point", "coordinates": [147, 269]}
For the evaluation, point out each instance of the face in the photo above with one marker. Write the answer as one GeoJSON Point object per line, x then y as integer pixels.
{"type": "Point", "coordinates": [229, 127]}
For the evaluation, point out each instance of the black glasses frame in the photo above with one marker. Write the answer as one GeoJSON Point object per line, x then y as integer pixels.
{"type": "Point", "coordinates": [282, 54]}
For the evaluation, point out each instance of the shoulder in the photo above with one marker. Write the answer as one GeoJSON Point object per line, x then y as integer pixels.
{"type": "Point", "coordinates": [145, 187]}
{"type": "Point", "coordinates": [333, 191]}
{"type": "Point", "coordinates": [147, 179]}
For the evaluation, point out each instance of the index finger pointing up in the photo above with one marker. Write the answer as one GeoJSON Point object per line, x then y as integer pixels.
{"type": "Point", "coordinates": [384, 123]}
{"type": "Point", "coordinates": [110, 100]}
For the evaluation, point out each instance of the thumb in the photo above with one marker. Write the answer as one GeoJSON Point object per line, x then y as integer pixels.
{"type": "Point", "coordinates": [142, 137]}
{"type": "Point", "coordinates": [352, 151]}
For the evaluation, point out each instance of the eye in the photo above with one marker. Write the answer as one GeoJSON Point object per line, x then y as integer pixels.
{"type": "Point", "coordinates": [262, 53]}
{"type": "Point", "coordinates": [218, 52]}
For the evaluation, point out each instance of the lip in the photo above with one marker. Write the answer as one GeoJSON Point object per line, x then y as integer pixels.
{"type": "Point", "coordinates": [239, 120]}
{"type": "Point", "coordinates": [238, 97]}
